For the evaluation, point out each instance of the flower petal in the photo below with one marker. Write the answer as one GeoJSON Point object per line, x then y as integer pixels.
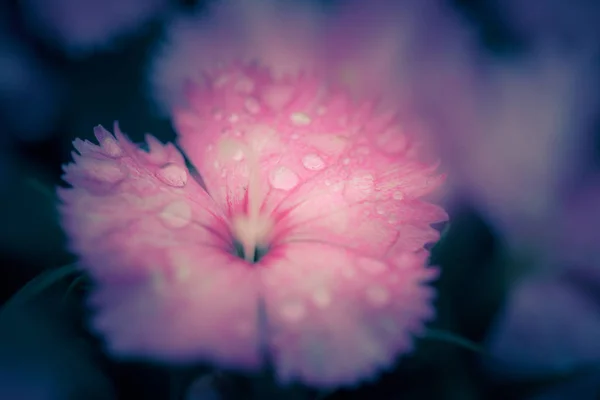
{"type": "Point", "coordinates": [161, 254]}
{"type": "Point", "coordinates": [339, 316]}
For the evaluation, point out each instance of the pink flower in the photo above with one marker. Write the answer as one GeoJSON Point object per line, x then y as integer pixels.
{"type": "Point", "coordinates": [300, 245]}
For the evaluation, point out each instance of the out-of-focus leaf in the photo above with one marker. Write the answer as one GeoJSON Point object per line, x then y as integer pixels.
{"type": "Point", "coordinates": [44, 352]}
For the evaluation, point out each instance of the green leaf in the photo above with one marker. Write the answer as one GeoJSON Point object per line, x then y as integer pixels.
{"type": "Point", "coordinates": [40, 283]}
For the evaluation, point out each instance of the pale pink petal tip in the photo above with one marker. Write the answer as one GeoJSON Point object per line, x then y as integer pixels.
{"type": "Point", "coordinates": [82, 26]}
{"type": "Point", "coordinates": [156, 246]}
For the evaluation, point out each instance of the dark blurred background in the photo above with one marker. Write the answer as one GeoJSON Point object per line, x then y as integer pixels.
{"type": "Point", "coordinates": [51, 94]}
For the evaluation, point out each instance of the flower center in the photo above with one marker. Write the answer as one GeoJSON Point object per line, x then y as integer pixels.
{"type": "Point", "coordinates": [251, 237]}
{"type": "Point", "coordinates": [250, 230]}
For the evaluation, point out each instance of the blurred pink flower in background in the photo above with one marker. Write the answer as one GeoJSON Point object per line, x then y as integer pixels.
{"type": "Point", "coordinates": [80, 27]}
{"type": "Point", "coordinates": [515, 136]}
{"type": "Point", "coordinates": [302, 243]}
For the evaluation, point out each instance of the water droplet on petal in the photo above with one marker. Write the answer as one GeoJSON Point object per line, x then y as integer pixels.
{"type": "Point", "coordinates": [300, 119]}
{"type": "Point", "coordinates": [293, 311]}
{"type": "Point", "coordinates": [295, 136]}
{"type": "Point", "coordinates": [283, 178]}
{"type": "Point", "coordinates": [233, 118]}
{"type": "Point", "coordinates": [252, 105]}
{"type": "Point", "coordinates": [398, 195]}
{"type": "Point", "coordinates": [177, 214]}
{"type": "Point", "coordinates": [313, 162]}
{"type": "Point", "coordinates": [377, 295]}
{"type": "Point", "coordinates": [173, 175]}
{"type": "Point", "coordinates": [372, 266]}
{"type": "Point", "coordinates": [321, 297]}
{"type": "Point", "coordinates": [238, 155]}
{"type": "Point", "coordinates": [379, 209]}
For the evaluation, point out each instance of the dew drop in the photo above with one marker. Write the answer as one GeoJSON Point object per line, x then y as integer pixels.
{"type": "Point", "coordinates": [172, 175]}
{"type": "Point", "coordinates": [293, 311]}
{"type": "Point", "coordinates": [321, 297]}
{"type": "Point", "coordinates": [393, 219]}
{"type": "Point", "coordinates": [238, 155]}
{"type": "Point", "coordinates": [372, 266]}
{"type": "Point", "coordinates": [233, 118]}
{"type": "Point", "coordinates": [398, 195]}
{"type": "Point", "coordinates": [346, 161]}
{"type": "Point", "coordinates": [252, 105]}
{"type": "Point", "coordinates": [377, 295]}
{"type": "Point", "coordinates": [313, 162]}
{"type": "Point", "coordinates": [300, 119]}
{"type": "Point", "coordinates": [177, 214]}
{"type": "Point", "coordinates": [379, 209]}
{"type": "Point", "coordinates": [283, 178]}
{"type": "Point", "coordinates": [295, 136]}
